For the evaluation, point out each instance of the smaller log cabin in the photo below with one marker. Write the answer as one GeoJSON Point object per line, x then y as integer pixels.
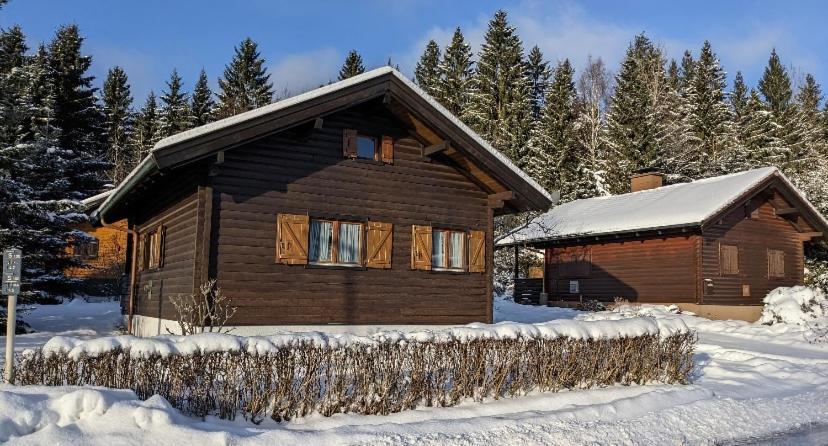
{"type": "Point", "coordinates": [715, 246]}
{"type": "Point", "coordinates": [364, 202]}
{"type": "Point", "coordinates": [102, 257]}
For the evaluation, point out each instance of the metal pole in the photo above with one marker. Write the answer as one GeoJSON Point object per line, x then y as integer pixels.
{"type": "Point", "coordinates": [11, 325]}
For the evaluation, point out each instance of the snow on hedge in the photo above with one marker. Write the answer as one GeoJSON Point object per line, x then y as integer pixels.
{"type": "Point", "coordinates": [214, 342]}
{"type": "Point", "coordinates": [798, 305]}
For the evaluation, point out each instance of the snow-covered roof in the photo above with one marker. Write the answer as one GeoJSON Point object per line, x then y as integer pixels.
{"type": "Point", "coordinates": [95, 200]}
{"type": "Point", "coordinates": [677, 205]}
{"type": "Point", "coordinates": [327, 89]}
{"type": "Point", "coordinates": [150, 163]}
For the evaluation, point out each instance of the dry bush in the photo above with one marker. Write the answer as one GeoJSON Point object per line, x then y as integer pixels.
{"type": "Point", "coordinates": [380, 378]}
{"type": "Point", "coordinates": [206, 312]}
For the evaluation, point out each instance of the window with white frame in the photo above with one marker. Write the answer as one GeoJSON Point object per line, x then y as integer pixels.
{"type": "Point", "coordinates": [448, 249]}
{"type": "Point", "coordinates": [335, 242]}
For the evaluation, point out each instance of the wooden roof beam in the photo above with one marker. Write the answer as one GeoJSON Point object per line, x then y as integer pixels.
{"type": "Point", "coordinates": [435, 148]}
{"type": "Point", "coordinates": [808, 236]}
{"type": "Point", "coordinates": [786, 211]}
{"type": "Point", "coordinates": [499, 199]}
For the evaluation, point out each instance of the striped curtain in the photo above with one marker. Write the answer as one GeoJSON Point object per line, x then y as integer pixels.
{"type": "Point", "coordinates": [438, 254]}
{"type": "Point", "coordinates": [456, 250]}
{"type": "Point", "coordinates": [349, 235]}
{"type": "Point", "coordinates": [321, 235]}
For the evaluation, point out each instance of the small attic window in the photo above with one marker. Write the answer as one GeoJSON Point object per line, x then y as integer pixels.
{"type": "Point", "coordinates": [366, 147]}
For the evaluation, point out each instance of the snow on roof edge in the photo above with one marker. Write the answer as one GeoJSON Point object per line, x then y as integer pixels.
{"type": "Point", "coordinates": [336, 86]}
{"type": "Point", "coordinates": [512, 238]}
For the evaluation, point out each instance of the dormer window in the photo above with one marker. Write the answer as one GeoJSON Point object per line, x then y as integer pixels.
{"type": "Point", "coordinates": [366, 147]}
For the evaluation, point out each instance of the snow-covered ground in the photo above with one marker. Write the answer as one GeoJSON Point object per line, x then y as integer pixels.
{"type": "Point", "coordinates": [751, 382]}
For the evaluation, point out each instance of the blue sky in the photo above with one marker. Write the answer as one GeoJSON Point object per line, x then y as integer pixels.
{"type": "Point", "coordinates": [305, 41]}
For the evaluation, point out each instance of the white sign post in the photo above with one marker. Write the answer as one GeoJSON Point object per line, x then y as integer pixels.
{"type": "Point", "coordinates": [12, 260]}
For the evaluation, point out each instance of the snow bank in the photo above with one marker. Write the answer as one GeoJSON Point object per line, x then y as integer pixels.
{"type": "Point", "coordinates": [213, 342]}
{"type": "Point", "coordinates": [798, 305]}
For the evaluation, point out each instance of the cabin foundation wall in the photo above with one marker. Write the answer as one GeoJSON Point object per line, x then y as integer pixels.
{"type": "Point", "coordinates": [147, 326]}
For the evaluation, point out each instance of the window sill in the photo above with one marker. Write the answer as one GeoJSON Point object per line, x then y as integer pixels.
{"type": "Point", "coordinates": [366, 161]}
{"type": "Point", "coordinates": [334, 266]}
{"type": "Point", "coordinates": [448, 271]}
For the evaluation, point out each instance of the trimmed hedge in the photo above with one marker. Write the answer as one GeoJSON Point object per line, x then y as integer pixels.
{"type": "Point", "coordinates": [382, 375]}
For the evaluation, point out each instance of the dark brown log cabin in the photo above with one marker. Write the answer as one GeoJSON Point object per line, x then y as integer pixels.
{"type": "Point", "coordinates": [715, 246]}
{"type": "Point", "coordinates": [362, 202]}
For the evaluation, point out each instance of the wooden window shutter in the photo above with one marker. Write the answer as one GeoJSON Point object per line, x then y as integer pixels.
{"type": "Point", "coordinates": [349, 143]}
{"type": "Point", "coordinates": [729, 259]}
{"type": "Point", "coordinates": [159, 249]}
{"type": "Point", "coordinates": [378, 243]}
{"type": "Point", "coordinates": [141, 257]}
{"type": "Point", "coordinates": [388, 150]}
{"type": "Point", "coordinates": [477, 251]}
{"type": "Point", "coordinates": [421, 247]}
{"type": "Point", "coordinates": [292, 239]}
{"type": "Point", "coordinates": [776, 263]}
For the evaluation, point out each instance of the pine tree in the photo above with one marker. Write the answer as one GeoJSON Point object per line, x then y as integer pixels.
{"type": "Point", "coordinates": [12, 82]}
{"type": "Point", "coordinates": [455, 72]}
{"type": "Point", "coordinates": [37, 215]}
{"type": "Point", "coordinates": [12, 49]}
{"type": "Point", "coordinates": [77, 113]}
{"type": "Point", "coordinates": [146, 130]}
{"type": "Point", "coordinates": [554, 159]}
{"type": "Point", "coordinates": [175, 110]}
{"type": "Point", "coordinates": [687, 71]}
{"type": "Point", "coordinates": [352, 66]}
{"type": "Point", "coordinates": [246, 84]}
{"type": "Point", "coordinates": [807, 126]}
{"type": "Point", "coordinates": [117, 101]}
{"type": "Point", "coordinates": [711, 121]}
{"type": "Point", "coordinates": [634, 124]}
{"type": "Point", "coordinates": [202, 102]}
{"type": "Point", "coordinates": [775, 85]}
{"type": "Point", "coordinates": [500, 107]}
{"type": "Point", "coordinates": [738, 97]}
{"type": "Point", "coordinates": [427, 72]}
{"type": "Point", "coordinates": [538, 73]}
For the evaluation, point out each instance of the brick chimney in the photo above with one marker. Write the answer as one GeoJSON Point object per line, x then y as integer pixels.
{"type": "Point", "coordinates": [646, 180]}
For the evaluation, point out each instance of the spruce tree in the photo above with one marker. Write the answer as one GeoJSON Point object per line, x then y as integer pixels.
{"type": "Point", "coordinates": [775, 85]}
{"type": "Point", "coordinates": [810, 143]}
{"type": "Point", "coordinates": [146, 130]}
{"type": "Point", "coordinates": [352, 66]}
{"type": "Point", "coordinates": [455, 72]}
{"type": "Point", "coordinates": [202, 101]}
{"type": "Point", "coordinates": [39, 216]}
{"type": "Point", "coordinates": [738, 97]}
{"type": "Point", "coordinates": [538, 73]}
{"type": "Point", "coordinates": [13, 117]}
{"type": "Point", "coordinates": [634, 124]}
{"type": "Point", "coordinates": [427, 72]}
{"type": "Point", "coordinates": [77, 113]}
{"type": "Point", "coordinates": [117, 108]}
{"type": "Point", "coordinates": [711, 120]}
{"type": "Point", "coordinates": [500, 107]}
{"type": "Point", "coordinates": [553, 158]}
{"type": "Point", "coordinates": [12, 49]}
{"type": "Point", "coordinates": [175, 110]}
{"type": "Point", "coordinates": [245, 84]}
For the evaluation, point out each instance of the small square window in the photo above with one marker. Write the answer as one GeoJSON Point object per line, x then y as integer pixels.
{"type": "Point", "coordinates": [574, 287]}
{"type": "Point", "coordinates": [366, 147]}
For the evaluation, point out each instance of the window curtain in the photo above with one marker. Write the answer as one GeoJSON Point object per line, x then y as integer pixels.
{"type": "Point", "coordinates": [456, 250]}
{"type": "Point", "coordinates": [438, 254]}
{"type": "Point", "coordinates": [349, 234]}
{"type": "Point", "coordinates": [321, 235]}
